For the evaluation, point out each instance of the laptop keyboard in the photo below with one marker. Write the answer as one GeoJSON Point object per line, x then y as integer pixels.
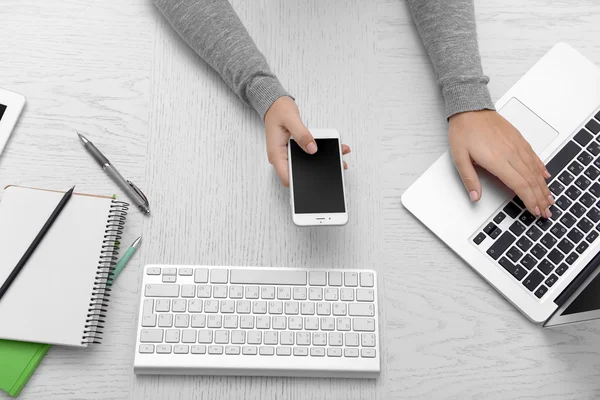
{"type": "Point", "coordinates": [538, 251]}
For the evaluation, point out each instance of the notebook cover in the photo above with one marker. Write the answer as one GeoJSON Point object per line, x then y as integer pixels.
{"type": "Point", "coordinates": [18, 362]}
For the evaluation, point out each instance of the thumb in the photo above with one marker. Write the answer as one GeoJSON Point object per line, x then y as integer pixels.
{"type": "Point", "coordinates": [467, 172]}
{"type": "Point", "coordinates": [301, 134]}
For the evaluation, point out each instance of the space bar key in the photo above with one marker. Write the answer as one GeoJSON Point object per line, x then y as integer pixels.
{"type": "Point", "coordinates": [265, 277]}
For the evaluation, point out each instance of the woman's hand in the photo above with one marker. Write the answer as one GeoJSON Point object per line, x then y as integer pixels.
{"type": "Point", "coordinates": [490, 141]}
{"type": "Point", "coordinates": [282, 120]}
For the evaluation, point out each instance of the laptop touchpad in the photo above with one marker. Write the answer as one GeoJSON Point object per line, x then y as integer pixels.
{"type": "Point", "coordinates": [534, 129]}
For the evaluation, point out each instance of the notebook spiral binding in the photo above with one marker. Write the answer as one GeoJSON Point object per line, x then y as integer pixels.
{"type": "Point", "coordinates": [94, 323]}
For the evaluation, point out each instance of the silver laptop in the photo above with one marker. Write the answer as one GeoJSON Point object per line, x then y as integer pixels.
{"type": "Point", "coordinates": [547, 268]}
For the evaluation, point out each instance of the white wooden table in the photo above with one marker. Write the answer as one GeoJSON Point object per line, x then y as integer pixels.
{"type": "Point", "coordinates": [117, 72]}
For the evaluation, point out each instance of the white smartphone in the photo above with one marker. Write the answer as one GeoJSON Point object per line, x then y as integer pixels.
{"type": "Point", "coordinates": [318, 193]}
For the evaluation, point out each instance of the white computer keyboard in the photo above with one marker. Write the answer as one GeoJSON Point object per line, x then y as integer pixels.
{"type": "Point", "coordinates": [201, 320]}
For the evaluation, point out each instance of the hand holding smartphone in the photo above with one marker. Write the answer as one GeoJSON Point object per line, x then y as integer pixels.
{"type": "Point", "coordinates": [318, 193]}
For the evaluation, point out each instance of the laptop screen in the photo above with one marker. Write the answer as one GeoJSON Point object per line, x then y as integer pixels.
{"type": "Point", "coordinates": [588, 299]}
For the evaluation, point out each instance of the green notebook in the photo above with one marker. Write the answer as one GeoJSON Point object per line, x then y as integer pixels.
{"type": "Point", "coordinates": [18, 361]}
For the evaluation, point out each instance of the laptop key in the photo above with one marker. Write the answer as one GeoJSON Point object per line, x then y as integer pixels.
{"type": "Point", "coordinates": [585, 158]}
{"type": "Point", "coordinates": [528, 261]}
{"type": "Point", "coordinates": [565, 246]}
{"type": "Point", "coordinates": [489, 228]}
{"type": "Point", "coordinates": [594, 214]}
{"type": "Point", "coordinates": [582, 247]}
{"type": "Point", "coordinates": [595, 189]}
{"type": "Point", "coordinates": [524, 244]}
{"type": "Point", "coordinates": [515, 270]}
{"type": "Point", "coordinates": [555, 256]}
{"type": "Point", "coordinates": [514, 254]}
{"type": "Point", "coordinates": [592, 236]}
{"type": "Point", "coordinates": [566, 178]}
{"type": "Point", "coordinates": [587, 200]}
{"type": "Point", "coordinates": [563, 202]}
{"type": "Point", "coordinates": [582, 182]}
{"type": "Point", "coordinates": [568, 220]}
{"type": "Point", "coordinates": [556, 187]}
{"type": "Point", "coordinates": [527, 218]}
{"type": "Point", "coordinates": [558, 230]}
{"type": "Point", "coordinates": [533, 280]}
{"type": "Point", "coordinates": [573, 192]}
{"type": "Point", "coordinates": [578, 210]}
{"type": "Point", "coordinates": [562, 268]}
{"type": "Point", "coordinates": [556, 212]}
{"type": "Point", "coordinates": [479, 238]}
{"type": "Point", "coordinates": [585, 225]}
{"type": "Point", "coordinates": [571, 258]}
{"type": "Point", "coordinates": [575, 235]}
{"type": "Point", "coordinates": [541, 291]}
{"type": "Point", "coordinates": [597, 116]}
{"type": "Point", "coordinates": [538, 251]}
{"type": "Point", "coordinates": [592, 172]}
{"type": "Point", "coordinates": [512, 210]}
{"type": "Point", "coordinates": [544, 223]}
{"type": "Point", "coordinates": [519, 202]}
{"type": "Point", "coordinates": [500, 217]}
{"type": "Point", "coordinates": [594, 148]}
{"type": "Point", "coordinates": [546, 267]}
{"type": "Point", "coordinates": [593, 126]}
{"type": "Point", "coordinates": [562, 158]}
{"type": "Point", "coordinates": [517, 228]}
{"type": "Point", "coordinates": [534, 233]}
{"type": "Point", "coordinates": [575, 168]}
{"type": "Point", "coordinates": [548, 240]}
{"type": "Point", "coordinates": [501, 244]}
{"type": "Point", "coordinates": [551, 280]}
{"type": "Point", "coordinates": [583, 137]}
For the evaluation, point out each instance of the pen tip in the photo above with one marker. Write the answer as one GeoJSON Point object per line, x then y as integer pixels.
{"type": "Point", "coordinates": [83, 139]}
{"type": "Point", "coordinates": [73, 188]}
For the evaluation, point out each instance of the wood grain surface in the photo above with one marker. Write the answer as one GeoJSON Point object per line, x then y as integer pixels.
{"type": "Point", "coordinates": [118, 73]}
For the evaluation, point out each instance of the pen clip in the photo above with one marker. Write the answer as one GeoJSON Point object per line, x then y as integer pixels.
{"type": "Point", "coordinates": [139, 192]}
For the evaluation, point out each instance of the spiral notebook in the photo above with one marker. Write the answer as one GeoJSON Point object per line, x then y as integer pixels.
{"type": "Point", "coordinates": [60, 297]}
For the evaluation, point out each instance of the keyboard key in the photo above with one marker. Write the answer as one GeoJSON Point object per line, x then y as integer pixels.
{"type": "Point", "coordinates": [577, 210]}
{"type": "Point", "coordinates": [153, 271]}
{"type": "Point", "coordinates": [527, 218]}
{"type": "Point", "coordinates": [284, 351]}
{"type": "Point", "coordinates": [556, 213]}
{"type": "Point", "coordinates": [546, 267]}
{"type": "Point", "coordinates": [587, 200]}
{"type": "Point", "coordinates": [594, 214]}
{"type": "Point", "coordinates": [367, 279]}
{"type": "Point", "coordinates": [232, 350]}
{"type": "Point", "coordinates": [568, 220]}
{"type": "Point", "coordinates": [533, 280]}
{"type": "Point", "coordinates": [333, 352]}
{"type": "Point", "coordinates": [319, 278]}
{"type": "Point", "coordinates": [528, 261]}
{"type": "Point", "coordinates": [361, 310]}
{"type": "Point", "coordinates": [512, 210]}
{"type": "Point", "coordinates": [170, 271]}
{"type": "Point", "coordinates": [519, 202]}
{"type": "Point", "coordinates": [585, 225]}
{"type": "Point", "coordinates": [479, 238]}
{"type": "Point", "coordinates": [582, 182]}
{"type": "Point", "coordinates": [592, 236]}
{"type": "Point", "coordinates": [335, 277]}
{"type": "Point", "coordinates": [181, 349]}
{"type": "Point", "coordinates": [597, 116]}
{"type": "Point", "coordinates": [516, 271]}
{"type": "Point", "coordinates": [563, 157]}
{"type": "Point", "coordinates": [253, 350]}
{"type": "Point", "coordinates": [563, 202]}
{"type": "Point", "coordinates": [514, 254]}
{"type": "Point", "coordinates": [583, 137]}
{"type": "Point", "coordinates": [561, 269]}
{"type": "Point", "coordinates": [300, 351]}
{"type": "Point", "coordinates": [582, 247]}
{"type": "Point", "coordinates": [501, 244]}
{"type": "Point", "coordinates": [363, 325]}
{"type": "Point", "coordinates": [555, 256]}
{"type": "Point", "coordinates": [201, 275]}
{"type": "Point", "coordinates": [566, 178]}
{"type": "Point", "coordinates": [147, 348]}
{"type": "Point", "coordinates": [592, 172]}
{"type": "Point", "coordinates": [219, 275]}
{"type": "Point", "coordinates": [163, 349]}
{"type": "Point", "coordinates": [575, 235]}
{"type": "Point", "coordinates": [367, 353]}
{"type": "Point", "coordinates": [551, 280]}
{"type": "Point", "coordinates": [575, 168]}
{"type": "Point", "coordinates": [169, 278]}
{"type": "Point", "coordinates": [186, 271]}
{"type": "Point", "coordinates": [159, 290]}
{"type": "Point", "coordinates": [558, 230]}
{"type": "Point", "coordinates": [524, 244]}
{"type": "Point", "coordinates": [499, 218]}
{"type": "Point", "coordinates": [350, 279]}
{"type": "Point", "coordinates": [594, 148]}
{"type": "Point", "coordinates": [538, 251]}
{"type": "Point", "coordinates": [571, 258]}
{"type": "Point", "coordinates": [534, 233]}
{"type": "Point", "coordinates": [585, 158]}
{"type": "Point", "coordinates": [543, 223]}
{"type": "Point", "coordinates": [548, 240]}
{"type": "Point", "coordinates": [593, 126]}
{"type": "Point", "coordinates": [517, 228]}
{"type": "Point", "coordinates": [541, 291]}
{"type": "Point", "coordinates": [573, 192]}
{"type": "Point", "coordinates": [556, 187]}
{"type": "Point", "coordinates": [595, 189]}
{"type": "Point", "coordinates": [351, 353]}
{"type": "Point", "coordinates": [215, 349]}
{"type": "Point", "coordinates": [151, 336]}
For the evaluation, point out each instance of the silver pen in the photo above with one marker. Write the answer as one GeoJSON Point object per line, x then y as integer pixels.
{"type": "Point", "coordinates": [132, 191]}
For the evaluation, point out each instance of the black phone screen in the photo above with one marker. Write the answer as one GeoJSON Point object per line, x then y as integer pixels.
{"type": "Point", "coordinates": [317, 178]}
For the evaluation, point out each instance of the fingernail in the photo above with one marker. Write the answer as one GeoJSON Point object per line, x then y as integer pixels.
{"type": "Point", "coordinates": [311, 148]}
{"type": "Point", "coordinates": [537, 211]}
{"type": "Point", "coordinates": [548, 213]}
{"type": "Point", "coordinates": [551, 199]}
{"type": "Point", "coordinates": [474, 195]}
{"type": "Point", "coordinates": [547, 174]}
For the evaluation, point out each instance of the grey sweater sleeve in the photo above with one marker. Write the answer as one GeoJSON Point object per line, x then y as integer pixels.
{"type": "Point", "coordinates": [215, 32]}
{"type": "Point", "coordinates": [448, 31]}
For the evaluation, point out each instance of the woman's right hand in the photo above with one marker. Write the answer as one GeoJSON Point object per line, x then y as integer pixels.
{"type": "Point", "coordinates": [490, 141]}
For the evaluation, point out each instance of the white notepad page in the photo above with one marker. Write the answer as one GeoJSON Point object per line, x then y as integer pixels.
{"type": "Point", "coordinates": [49, 300]}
